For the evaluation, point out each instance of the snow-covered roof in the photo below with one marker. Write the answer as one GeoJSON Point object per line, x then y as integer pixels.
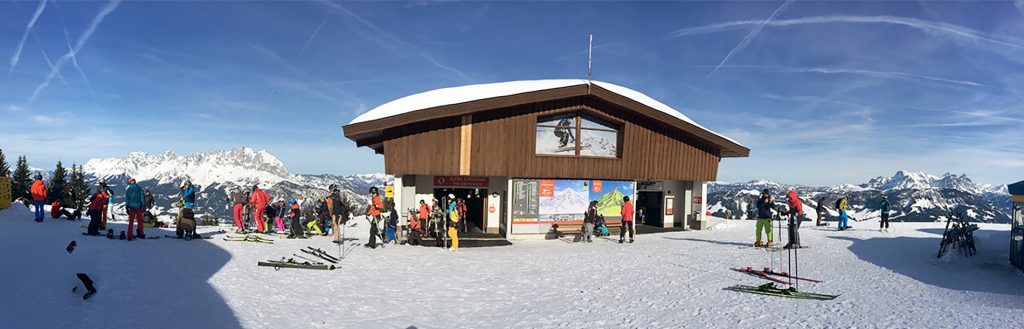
{"type": "Point", "coordinates": [469, 93]}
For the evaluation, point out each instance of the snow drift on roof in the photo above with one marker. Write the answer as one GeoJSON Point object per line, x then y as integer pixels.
{"type": "Point", "coordinates": [469, 93]}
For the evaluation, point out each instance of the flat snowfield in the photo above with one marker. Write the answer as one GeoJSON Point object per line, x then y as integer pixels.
{"type": "Point", "coordinates": [887, 280]}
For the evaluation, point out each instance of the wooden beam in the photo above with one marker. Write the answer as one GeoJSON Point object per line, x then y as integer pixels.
{"type": "Point", "coordinates": [466, 145]}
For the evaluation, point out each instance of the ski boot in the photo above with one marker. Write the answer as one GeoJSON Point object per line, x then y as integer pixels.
{"type": "Point", "coordinates": [758, 243]}
{"type": "Point", "coordinates": [769, 244]}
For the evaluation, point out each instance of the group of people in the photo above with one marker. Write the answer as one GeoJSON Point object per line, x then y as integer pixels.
{"type": "Point", "coordinates": [594, 220]}
{"type": "Point", "coordinates": [442, 219]}
{"type": "Point", "coordinates": [765, 208]}
{"type": "Point", "coordinates": [327, 217]}
{"type": "Point", "coordinates": [138, 202]}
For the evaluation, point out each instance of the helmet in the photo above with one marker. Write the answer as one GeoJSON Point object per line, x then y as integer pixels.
{"type": "Point", "coordinates": [333, 187]}
{"type": "Point", "coordinates": [39, 176]}
{"type": "Point", "coordinates": [292, 202]}
{"type": "Point", "coordinates": [766, 191]}
{"type": "Point", "coordinates": [373, 189]}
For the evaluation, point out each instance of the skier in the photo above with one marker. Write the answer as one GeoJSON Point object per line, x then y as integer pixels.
{"type": "Point", "coordinates": [796, 214]}
{"type": "Point", "coordinates": [90, 289]}
{"type": "Point", "coordinates": [764, 218]}
{"type": "Point", "coordinates": [150, 203]}
{"type": "Point", "coordinates": [295, 216]}
{"type": "Point", "coordinates": [374, 215]}
{"type": "Point", "coordinates": [259, 200]}
{"type": "Point", "coordinates": [841, 204]}
{"type": "Point", "coordinates": [38, 192]}
{"type": "Point", "coordinates": [453, 232]}
{"type": "Point", "coordinates": [423, 215]}
{"type": "Point", "coordinates": [884, 207]}
{"type": "Point", "coordinates": [238, 200]}
{"type": "Point", "coordinates": [436, 220]}
{"type": "Point", "coordinates": [188, 195]}
{"type": "Point", "coordinates": [461, 207]}
{"type": "Point", "coordinates": [314, 219]}
{"type": "Point", "coordinates": [392, 225]}
{"type": "Point", "coordinates": [415, 226]}
{"type": "Point", "coordinates": [627, 220]}
{"type": "Point", "coordinates": [338, 213]}
{"type": "Point", "coordinates": [95, 212]}
{"type": "Point", "coordinates": [134, 200]}
{"type": "Point", "coordinates": [820, 209]}
{"type": "Point", "coordinates": [752, 209]}
{"type": "Point", "coordinates": [589, 218]}
{"type": "Point", "coordinates": [280, 212]}
{"type": "Point", "coordinates": [110, 206]}
{"type": "Point", "coordinates": [564, 132]}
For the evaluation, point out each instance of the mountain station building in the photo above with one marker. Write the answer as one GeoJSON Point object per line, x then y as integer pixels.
{"type": "Point", "coordinates": [526, 155]}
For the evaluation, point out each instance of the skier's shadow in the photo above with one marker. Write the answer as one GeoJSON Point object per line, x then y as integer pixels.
{"type": "Point", "coordinates": [915, 257]}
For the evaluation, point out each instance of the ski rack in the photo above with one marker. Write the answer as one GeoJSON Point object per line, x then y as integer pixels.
{"type": "Point", "coordinates": [958, 233]}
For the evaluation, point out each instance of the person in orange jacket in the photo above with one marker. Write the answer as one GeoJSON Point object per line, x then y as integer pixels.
{"type": "Point", "coordinates": [376, 205]}
{"type": "Point", "coordinates": [424, 213]}
{"type": "Point", "coordinates": [38, 192]}
{"type": "Point", "coordinates": [259, 200]}
{"type": "Point", "coordinates": [627, 220]}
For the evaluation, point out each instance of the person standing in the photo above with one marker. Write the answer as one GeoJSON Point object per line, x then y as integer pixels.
{"type": "Point", "coordinates": [885, 208]}
{"type": "Point", "coordinates": [279, 213]}
{"type": "Point", "coordinates": [134, 200]}
{"type": "Point", "coordinates": [392, 225]}
{"type": "Point", "coordinates": [259, 200]}
{"type": "Point", "coordinates": [627, 220]}
{"type": "Point", "coordinates": [463, 210]}
{"type": "Point", "coordinates": [796, 214]}
{"type": "Point", "coordinates": [752, 209]}
{"type": "Point", "coordinates": [424, 213]}
{"type": "Point", "coordinates": [295, 217]}
{"type": "Point", "coordinates": [843, 217]}
{"type": "Point", "coordinates": [453, 225]}
{"type": "Point", "coordinates": [820, 209]}
{"type": "Point", "coordinates": [764, 219]}
{"type": "Point", "coordinates": [338, 211]}
{"type": "Point", "coordinates": [437, 222]}
{"type": "Point", "coordinates": [374, 213]}
{"type": "Point", "coordinates": [38, 192]}
{"type": "Point", "coordinates": [589, 218]}
{"type": "Point", "coordinates": [96, 206]}
{"type": "Point", "coordinates": [238, 200]}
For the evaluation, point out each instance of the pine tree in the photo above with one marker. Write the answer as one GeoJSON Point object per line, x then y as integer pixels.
{"type": "Point", "coordinates": [78, 190]}
{"type": "Point", "coordinates": [21, 181]}
{"type": "Point", "coordinates": [57, 187]}
{"type": "Point", "coordinates": [5, 170]}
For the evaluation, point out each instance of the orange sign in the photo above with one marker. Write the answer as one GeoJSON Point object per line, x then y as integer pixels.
{"type": "Point", "coordinates": [596, 186]}
{"type": "Point", "coordinates": [547, 188]}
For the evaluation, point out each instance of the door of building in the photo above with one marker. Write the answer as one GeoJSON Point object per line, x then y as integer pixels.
{"type": "Point", "coordinates": [1017, 236]}
{"type": "Point", "coordinates": [475, 203]}
{"type": "Point", "coordinates": [651, 203]}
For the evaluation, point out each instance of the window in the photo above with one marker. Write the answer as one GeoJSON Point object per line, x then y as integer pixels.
{"type": "Point", "coordinates": [574, 134]}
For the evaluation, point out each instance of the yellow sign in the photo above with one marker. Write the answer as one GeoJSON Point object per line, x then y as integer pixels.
{"type": "Point", "coordinates": [1018, 198]}
{"type": "Point", "coordinates": [5, 192]}
{"type": "Point", "coordinates": [389, 191]}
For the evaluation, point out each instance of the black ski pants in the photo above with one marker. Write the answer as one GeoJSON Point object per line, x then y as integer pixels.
{"type": "Point", "coordinates": [794, 229]}
{"type": "Point", "coordinates": [885, 221]}
{"type": "Point", "coordinates": [95, 216]}
{"type": "Point", "coordinates": [374, 231]}
{"type": "Point", "coordinates": [626, 227]}
{"type": "Point", "coordinates": [86, 281]}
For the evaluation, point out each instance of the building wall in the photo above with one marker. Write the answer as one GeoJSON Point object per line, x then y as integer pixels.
{"type": "Point", "coordinates": [501, 144]}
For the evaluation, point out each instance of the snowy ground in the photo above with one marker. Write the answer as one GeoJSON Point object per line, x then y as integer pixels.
{"type": "Point", "coordinates": [664, 280]}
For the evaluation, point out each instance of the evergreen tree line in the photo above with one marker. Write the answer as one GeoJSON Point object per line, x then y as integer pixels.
{"type": "Point", "coordinates": [68, 188]}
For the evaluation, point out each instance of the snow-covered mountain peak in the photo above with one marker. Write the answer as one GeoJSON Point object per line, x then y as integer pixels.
{"type": "Point", "coordinates": [241, 165]}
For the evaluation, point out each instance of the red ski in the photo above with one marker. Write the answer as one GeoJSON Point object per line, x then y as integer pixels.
{"type": "Point", "coordinates": [786, 275]}
{"type": "Point", "coordinates": [760, 274]}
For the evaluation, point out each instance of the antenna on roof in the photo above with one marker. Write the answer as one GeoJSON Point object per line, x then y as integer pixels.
{"type": "Point", "coordinates": [590, 58]}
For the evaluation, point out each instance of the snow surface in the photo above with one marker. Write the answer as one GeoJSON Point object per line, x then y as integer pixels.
{"type": "Point", "coordinates": [887, 280]}
{"type": "Point", "coordinates": [469, 93]}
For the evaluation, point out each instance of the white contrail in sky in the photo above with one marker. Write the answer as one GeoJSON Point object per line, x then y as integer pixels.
{"type": "Point", "coordinates": [74, 62]}
{"type": "Point", "coordinates": [24, 36]}
{"type": "Point", "coordinates": [937, 28]}
{"type": "Point", "coordinates": [750, 36]}
{"type": "Point", "coordinates": [311, 37]}
{"type": "Point", "coordinates": [77, 48]}
{"type": "Point", "coordinates": [49, 63]}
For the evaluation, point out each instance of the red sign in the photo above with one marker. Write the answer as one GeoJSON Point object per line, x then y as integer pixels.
{"type": "Point", "coordinates": [492, 209]}
{"type": "Point", "coordinates": [461, 181]}
{"type": "Point", "coordinates": [596, 186]}
{"type": "Point", "coordinates": [547, 188]}
{"type": "Point", "coordinates": [697, 200]}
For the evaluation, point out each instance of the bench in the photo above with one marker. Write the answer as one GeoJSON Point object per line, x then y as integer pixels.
{"type": "Point", "coordinates": [572, 229]}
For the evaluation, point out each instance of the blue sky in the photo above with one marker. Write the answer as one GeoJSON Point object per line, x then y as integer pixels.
{"type": "Point", "coordinates": [822, 92]}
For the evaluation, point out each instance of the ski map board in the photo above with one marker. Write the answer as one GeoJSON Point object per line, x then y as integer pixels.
{"type": "Point", "coordinates": [277, 265]}
{"type": "Point", "coordinates": [771, 290]}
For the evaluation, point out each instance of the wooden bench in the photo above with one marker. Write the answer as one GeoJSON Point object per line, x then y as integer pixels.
{"type": "Point", "coordinates": [572, 229]}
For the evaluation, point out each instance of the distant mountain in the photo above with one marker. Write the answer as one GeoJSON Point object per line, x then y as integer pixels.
{"type": "Point", "coordinates": [216, 173]}
{"type": "Point", "coordinates": [915, 197]}
{"type": "Point", "coordinates": [567, 201]}
{"type": "Point", "coordinates": [610, 204]}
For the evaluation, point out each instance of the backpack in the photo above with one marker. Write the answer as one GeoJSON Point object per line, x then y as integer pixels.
{"type": "Point", "coordinates": [885, 206]}
{"type": "Point", "coordinates": [838, 202]}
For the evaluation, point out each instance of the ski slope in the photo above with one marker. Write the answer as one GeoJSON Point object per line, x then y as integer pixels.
{"type": "Point", "coordinates": [663, 280]}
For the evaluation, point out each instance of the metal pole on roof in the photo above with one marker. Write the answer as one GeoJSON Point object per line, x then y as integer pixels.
{"type": "Point", "coordinates": [590, 57]}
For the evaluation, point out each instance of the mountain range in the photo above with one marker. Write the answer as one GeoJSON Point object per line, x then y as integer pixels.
{"type": "Point", "coordinates": [216, 174]}
{"type": "Point", "coordinates": [914, 196]}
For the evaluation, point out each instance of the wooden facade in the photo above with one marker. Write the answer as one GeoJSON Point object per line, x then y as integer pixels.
{"type": "Point", "coordinates": [501, 142]}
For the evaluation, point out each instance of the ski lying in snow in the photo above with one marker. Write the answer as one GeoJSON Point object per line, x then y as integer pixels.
{"type": "Point", "coordinates": [277, 265]}
{"type": "Point", "coordinates": [783, 274]}
{"type": "Point", "coordinates": [197, 237]}
{"type": "Point", "coordinates": [250, 239]}
{"type": "Point", "coordinates": [318, 255]}
{"type": "Point", "coordinates": [313, 261]}
{"type": "Point", "coordinates": [759, 274]}
{"type": "Point", "coordinates": [323, 254]}
{"type": "Point", "coordinates": [769, 289]}
{"type": "Point", "coordinates": [86, 295]}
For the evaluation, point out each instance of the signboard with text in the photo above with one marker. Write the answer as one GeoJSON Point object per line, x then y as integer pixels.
{"type": "Point", "coordinates": [461, 181]}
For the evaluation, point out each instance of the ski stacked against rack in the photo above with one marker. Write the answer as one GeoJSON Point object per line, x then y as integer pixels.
{"type": "Point", "coordinates": [249, 238]}
{"type": "Point", "coordinates": [770, 272]}
{"type": "Point", "coordinates": [321, 254]}
{"type": "Point", "coordinates": [771, 290]}
{"type": "Point", "coordinates": [291, 263]}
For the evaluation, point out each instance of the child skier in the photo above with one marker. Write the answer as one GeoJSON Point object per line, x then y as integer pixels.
{"type": "Point", "coordinates": [279, 213]}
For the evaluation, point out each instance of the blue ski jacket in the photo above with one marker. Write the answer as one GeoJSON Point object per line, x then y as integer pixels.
{"type": "Point", "coordinates": [189, 195]}
{"type": "Point", "coordinates": [135, 198]}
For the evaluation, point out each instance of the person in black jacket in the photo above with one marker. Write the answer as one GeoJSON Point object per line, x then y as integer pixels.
{"type": "Point", "coordinates": [338, 213]}
{"type": "Point", "coordinates": [392, 224]}
{"type": "Point", "coordinates": [295, 217]}
{"type": "Point", "coordinates": [764, 218]}
{"type": "Point", "coordinates": [588, 222]}
{"type": "Point", "coordinates": [820, 209]}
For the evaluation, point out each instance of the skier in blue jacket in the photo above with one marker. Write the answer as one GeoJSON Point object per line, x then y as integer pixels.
{"type": "Point", "coordinates": [884, 206]}
{"type": "Point", "coordinates": [134, 200]}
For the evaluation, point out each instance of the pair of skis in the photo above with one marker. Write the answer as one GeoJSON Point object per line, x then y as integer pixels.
{"type": "Point", "coordinates": [291, 263]}
{"type": "Point", "coordinates": [771, 290]}
{"type": "Point", "coordinates": [771, 275]}
{"type": "Point", "coordinates": [250, 238]}
{"type": "Point", "coordinates": [319, 254]}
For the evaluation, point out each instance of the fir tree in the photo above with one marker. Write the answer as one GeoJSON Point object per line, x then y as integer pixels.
{"type": "Point", "coordinates": [5, 170]}
{"type": "Point", "coordinates": [21, 181]}
{"type": "Point", "coordinates": [57, 187]}
{"type": "Point", "coordinates": [78, 190]}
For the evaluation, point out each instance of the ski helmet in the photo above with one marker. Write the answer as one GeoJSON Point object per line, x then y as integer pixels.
{"type": "Point", "coordinates": [373, 190]}
{"type": "Point", "coordinates": [39, 176]}
{"type": "Point", "coordinates": [292, 202]}
{"type": "Point", "coordinates": [333, 187]}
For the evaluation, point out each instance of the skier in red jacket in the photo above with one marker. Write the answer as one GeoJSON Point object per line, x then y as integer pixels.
{"type": "Point", "coordinates": [796, 214]}
{"type": "Point", "coordinates": [259, 200]}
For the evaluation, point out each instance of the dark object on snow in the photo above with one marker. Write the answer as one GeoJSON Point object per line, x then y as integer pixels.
{"type": "Point", "coordinates": [71, 246]}
{"type": "Point", "coordinates": [960, 234]}
{"type": "Point", "coordinates": [123, 236]}
{"type": "Point", "coordinates": [89, 288]}
{"type": "Point", "coordinates": [770, 290]}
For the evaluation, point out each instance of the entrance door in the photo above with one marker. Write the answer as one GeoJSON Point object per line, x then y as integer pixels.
{"type": "Point", "coordinates": [1017, 236]}
{"type": "Point", "coordinates": [475, 203]}
{"type": "Point", "coordinates": [651, 203]}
